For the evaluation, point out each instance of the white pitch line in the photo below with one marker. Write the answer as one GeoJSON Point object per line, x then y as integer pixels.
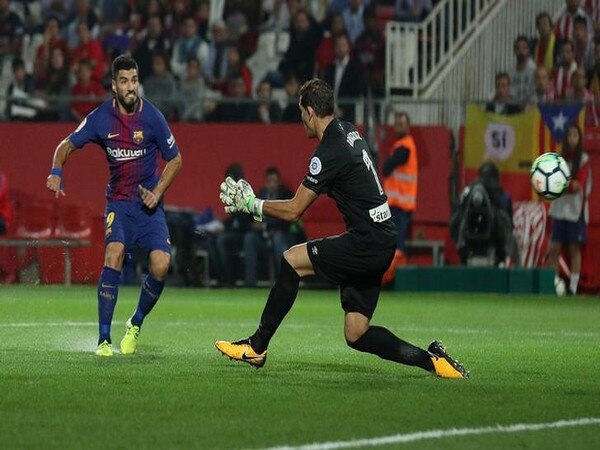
{"type": "Point", "coordinates": [441, 434]}
{"type": "Point", "coordinates": [400, 328]}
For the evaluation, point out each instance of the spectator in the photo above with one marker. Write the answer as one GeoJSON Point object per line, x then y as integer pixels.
{"type": "Point", "coordinates": [177, 12]}
{"type": "Point", "coordinates": [291, 113]}
{"type": "Point", "coordinates": [237, 66]}
{"type": "Point", "coordinates": [325, 51]}
{"type": "Point", "coordinates": [272, 235]}
{"type": "Point", "coordinates": [502, 103]}
{"type": "Point", "coordinates": [189, 45]}
{"type": "Point", "coordinates": [566, 22]}
{"type": "Point", "coordinates": [215, 69]}
{"type": "Point", "coordinates": [400, 172]}
{"type": "Point", "coordinates": [521, 78]}
{"type": "Point", "coordinates": [578, 93]}
{"type": "Point", "coordinates": [266, 111]}
{"type": "Point", "coordinates": [154, 41]}
{"type": "Point", "coordinates": [544, 48]}
{"type": "Point", "coordinates": [57, 84]}
{"type": "Point", "coordinates": [354, 19]}
{"type": "Point", "coordinates": [231, 240]}
{"type": "Point", "coordinates": [584, 47]}
{"type": "Point", "coordinates": [90, 49]}
{"type": "Point", "coordinates": [300, 55]}
{"type": "Point", "coordinates": [84, 13]}
{"type": "Point", "coordinates": [345, 76]}
{"type": "Point", "coordinates": [370, 51]}
{"type": "Point", "coordinates": [6, 210]}
{"type": "Point", "coordinates": [21, 104]}
{"type": "Point", "coordinates": [160, 87]}
{"type": "Point", "coordinates": [412, 10]}
{"type": "Point", "coordinates": [192, 92]}
{"type": "Point", "coordinates": [201, 15]}
{"type": "Point", "coordinates": [61, 9]}
{"type": "Point", "coordinates": [594, 75]}
{"type": "Point", "coordinates": [237, 107]}
{"type": "Point", "coordinates": [11, 31]}
{"type": "Point", "coordinates": [52, 40]}
{"type": "Point", "coordinates": [543, 91]}
{"type": "Point", "coordinates": [562, 73]}
{"type": "Point", "coordinates": [570, 212]}
{"type": "Point", "coordinates": [88, 88]}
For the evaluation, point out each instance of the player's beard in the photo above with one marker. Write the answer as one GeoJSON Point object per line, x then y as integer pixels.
{"type": "Point", "coordinates": [127, 105]}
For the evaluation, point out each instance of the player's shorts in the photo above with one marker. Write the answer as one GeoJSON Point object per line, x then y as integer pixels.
{"type": "Point", "coordinates": [569, 232]}
{"type": "Point", "coordinates": [356, 268]}
{"type": "Point", "coordinates": [131, 223]}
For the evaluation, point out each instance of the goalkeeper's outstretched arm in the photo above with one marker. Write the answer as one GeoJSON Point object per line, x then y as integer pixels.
{"type": "Point", "coordinates": [292, 209]}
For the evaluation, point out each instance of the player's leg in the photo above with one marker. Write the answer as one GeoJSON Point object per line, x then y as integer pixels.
{"type": "Point", "coordinates": [359, 303]}
{"type": "Point", "coordinates": [362, 336]}
{"type": "Point", "coordinates": [295, 264]}
{"type": "Point", "coordinates": [152, 285]}
{"type": "Point", "coordinates": [156, 241]}
{"type": "Point", "coordinates": [108, 290]}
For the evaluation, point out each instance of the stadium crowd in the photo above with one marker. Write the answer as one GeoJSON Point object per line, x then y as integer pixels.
{"type": "Point", "coordinates": [560, 64]}
{"type": "Point", "coordinates": [55, 55]}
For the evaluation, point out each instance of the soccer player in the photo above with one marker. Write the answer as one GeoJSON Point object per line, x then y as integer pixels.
{"type": "Point", "coordinates": [355, 260]}
{"type": "Point", "coordinates": [131, 131]}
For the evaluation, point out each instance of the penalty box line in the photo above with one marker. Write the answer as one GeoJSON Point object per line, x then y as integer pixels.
{"type": "Point", "coordinates": [441, 434]}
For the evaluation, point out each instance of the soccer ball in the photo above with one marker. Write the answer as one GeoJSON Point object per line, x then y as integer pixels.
{"type": "Point", "coordinates": [550, 175]}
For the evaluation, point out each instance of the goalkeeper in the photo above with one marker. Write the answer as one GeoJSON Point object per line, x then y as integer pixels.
{"type": "Point", "coordinates": [355, 260]}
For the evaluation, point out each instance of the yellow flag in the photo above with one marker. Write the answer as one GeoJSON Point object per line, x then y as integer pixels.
{"type": "Point", "coordinates": [510, 141]}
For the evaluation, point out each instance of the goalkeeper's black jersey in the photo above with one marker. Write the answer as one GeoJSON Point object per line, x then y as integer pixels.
{"type": "Point", "coordinates": [341, 167]}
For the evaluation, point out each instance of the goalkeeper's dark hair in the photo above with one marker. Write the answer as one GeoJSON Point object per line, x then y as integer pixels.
{"type": "Point", "coordinates": [123, 62]}
{"type": "Point", "coordinates": [318, 95]}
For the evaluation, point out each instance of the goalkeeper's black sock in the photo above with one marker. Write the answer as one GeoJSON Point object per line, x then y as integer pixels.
{"type": "Point", "coordinates": [280, 301]}
{"type": "Point", "coordinates": [383, 343]}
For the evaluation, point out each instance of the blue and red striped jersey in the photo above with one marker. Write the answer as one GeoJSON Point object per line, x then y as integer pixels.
{"type": "Point", "coordinates": [131, 143]}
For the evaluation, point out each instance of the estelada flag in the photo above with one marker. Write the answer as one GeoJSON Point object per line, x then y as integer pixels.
{"type": "Point", "coordinates": [555, 119]}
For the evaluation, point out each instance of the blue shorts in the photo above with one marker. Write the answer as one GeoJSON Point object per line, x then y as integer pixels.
{"type": "Point", "coordinates": [569, 232]}
{"type": "Point", "coordinates": [131, 223]}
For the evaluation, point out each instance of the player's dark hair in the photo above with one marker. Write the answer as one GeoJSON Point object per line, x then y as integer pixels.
{"type": "Point", "coordinates": [573, 154]}
{"type": "Point", "coordinates": [543, 15]}
{"type": "Point", "coordinates": [123, 62]}
{"type": "Point", "coordinates": [272, 170]}
{"type": "Point", "coordinates": [318, 95]}
{"type": "Point", "coordinates": [403, 114]}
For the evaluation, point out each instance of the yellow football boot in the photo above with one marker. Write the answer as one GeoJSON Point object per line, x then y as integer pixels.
{"type": "Point", "coordinates": [129, 342]}
{"type": "Point", "coordinates": [445, 367]}
{"type": "Point", "coordinates": [242, 351]}
{"type": "Point", "coordinates": [104, 349]}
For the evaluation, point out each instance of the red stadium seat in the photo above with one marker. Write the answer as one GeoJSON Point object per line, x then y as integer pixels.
{"type": "Point", "coordinates": [35, 220]}
{"type": "Point", "coordinates": [74, 221]}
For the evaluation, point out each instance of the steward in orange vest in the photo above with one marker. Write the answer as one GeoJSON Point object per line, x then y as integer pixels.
{"type": "Point", "coordinates": [400, 173]}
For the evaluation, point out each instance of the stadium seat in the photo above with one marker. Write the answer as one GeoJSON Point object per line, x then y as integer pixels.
{"type": "Point", "coordinates": [74, 221]}
{"type": "Point", "coordinates": [35, 220]}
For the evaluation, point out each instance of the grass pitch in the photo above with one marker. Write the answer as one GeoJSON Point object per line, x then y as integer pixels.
{"type": "Point", "coordinates": [532, 360]}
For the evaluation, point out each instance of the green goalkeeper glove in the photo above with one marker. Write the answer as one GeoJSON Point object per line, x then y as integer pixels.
{"type": "Point", "coordinates": [246, 201]}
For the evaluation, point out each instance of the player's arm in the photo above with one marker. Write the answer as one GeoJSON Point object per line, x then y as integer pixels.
{"type": "Point", "coordinates": [292, 209]}
{"type": "Point", "coordinates": [61, 154]}
{"type": "Point", "coordinates": [153, 197]}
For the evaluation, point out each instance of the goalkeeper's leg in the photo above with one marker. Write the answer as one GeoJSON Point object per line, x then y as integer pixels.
{"type": "Point", "coordinates": [295, 264]}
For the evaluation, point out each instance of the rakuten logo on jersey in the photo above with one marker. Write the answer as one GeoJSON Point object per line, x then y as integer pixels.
{"type": "Point", "coordinates": [125, 154]}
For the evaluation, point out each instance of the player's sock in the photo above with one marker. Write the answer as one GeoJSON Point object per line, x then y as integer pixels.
{"type": "Point", "coordinates": [280, 301]}
{"type": "Point", "coordinates": [151, 290]}
{"type": "Point", "coordinates": [573, 283]}
{"type": "Point", "coordinates": [108, 290]}
{"type": "Point", "coordinates": [383, 343]}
